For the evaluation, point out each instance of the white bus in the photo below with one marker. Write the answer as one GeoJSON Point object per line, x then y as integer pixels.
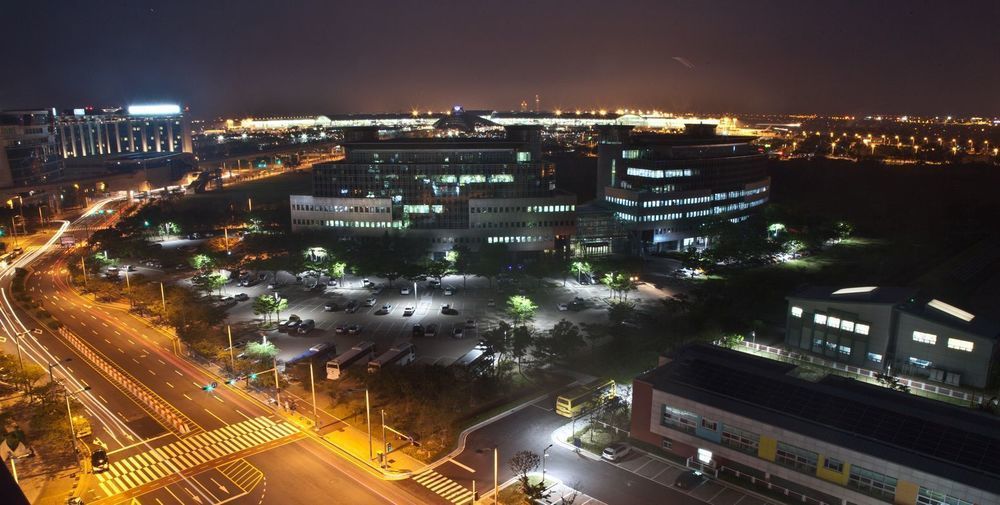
{"type": "Point", "coordinates": [474, 362]}
{"type": "Point", "coordinates": [337, 367]}
{"type": "Point", "coordinates": [399, 354]}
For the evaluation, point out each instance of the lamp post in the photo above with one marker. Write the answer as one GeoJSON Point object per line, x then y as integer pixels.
{"type": "Point", "coordinates": [545, 455]}
{"type": "Point", "coordinates": [385, 451]}
{"type": "Point", "coordinates": [83, 265]}
{"type": "Point", "coordinates": [69, 414]}
{"type": "Point", "coordinates": [496, 476]}
{"type": "Point", "coordinates": [232, 358]}
{"type": "Point", "coordinates": [57, 363]}
{"type": "Point", "coordinates": [163, 300]}
{"type": "Point", "coordinates": [368, 419]}
{"type": "Point", "coordinates": [128, 286]}
{"type": "Point", "coordinates": [312, 386]}
{"type": "Point", "coordinates": [277, 390]}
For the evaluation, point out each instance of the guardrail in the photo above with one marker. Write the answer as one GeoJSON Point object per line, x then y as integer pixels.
{"type": "Point", "coordinates": [156, 406]}
{"type": "Point", "coordinates": [968, 397]}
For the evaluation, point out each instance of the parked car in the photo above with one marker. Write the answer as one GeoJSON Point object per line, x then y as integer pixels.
{"type": "Point", "coordinates": [563, 307]}
{"type": "Point", "coordinates": [241, 297]}
{"type": "Point", "coordinates": [470, 323]}
{"type": "Point", "coordinates": [690, 479]}
{"type": "Point", "coordinates": [418, 330]}
{"type": "Point", "coordinates": [408, 311]}
{"type": "Point", "coordinates": [448, 291]}
{"type": "Point", "coordinates": [491, 303]}
{"type": "Point", "coordinates": [354, 329]}
{"type": "Point", "coordinates": [616, 452]}
{"type": "Point", "coordinates": [341, 329]}
{"type": "Point", "coordinates": [447, 309]}
{"type": "Point", "coordinates": [367, 283]}
{"type": "Point", "coordinates": [404, 291]}
{"type": "Point", "coordinates": [371, 301]}
{"type": "Point", "coordinates": [293, 325]}
{"type": "Point", "coordinates": [306, 326]}
{"type": "Point", "coordinates": [385, 309]}
{"type": "Point", "coordinates": [330, 306]}
{"type": "Point", "coordinates": [352, 306]}
{"type": "Point", "coordinates": [431, 330]}
{"type": "Point", "coordinates": [458, 332]}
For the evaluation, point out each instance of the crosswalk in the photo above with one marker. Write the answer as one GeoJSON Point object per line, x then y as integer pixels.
{"type": "Point", "coordinates": [444, 487]}
{"type": "Point", "coordinates": [243, 474]}
{"type": "Point", "coordinates": [149, 466]}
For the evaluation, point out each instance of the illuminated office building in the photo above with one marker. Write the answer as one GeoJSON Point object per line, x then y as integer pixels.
{"type": "Point", "coordinates": [664, 187]}
{"type": "Point", "coordinates": [29, 150]}
{"type": "Point", "coordinates": [451, 191]}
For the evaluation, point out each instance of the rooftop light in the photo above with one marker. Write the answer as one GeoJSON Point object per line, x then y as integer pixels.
{"type": "Point", "coordinates": [158, 109]}
{"type": "Point", "coordinates": [855, 291]}
{"type": "Point", "coordinates": [951, 310]}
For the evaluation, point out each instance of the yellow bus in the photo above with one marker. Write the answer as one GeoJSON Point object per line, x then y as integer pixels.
{"type": "Point", "coordinates": [584, 397]}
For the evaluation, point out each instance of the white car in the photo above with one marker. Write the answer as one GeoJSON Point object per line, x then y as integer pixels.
{"type": "Point", "coordinates": [408, 311]}
{"type": "Point", "coordinates": [563, 307]}
{"type": "Point", "coordinates": [404, 291]}
{"type": "Point", "coordinates": [370, 302]}
{"type": "Point", "coordinates": [616, 452]}
{"type": "Point", "coordinates": [448, 291]}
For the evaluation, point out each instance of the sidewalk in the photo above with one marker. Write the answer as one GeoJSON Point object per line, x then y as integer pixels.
{"type": "Point", "coordinates": [48, 489]}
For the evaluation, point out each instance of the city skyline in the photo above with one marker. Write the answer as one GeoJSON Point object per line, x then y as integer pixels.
{"type": "Point", "coordinates": [252, 58]}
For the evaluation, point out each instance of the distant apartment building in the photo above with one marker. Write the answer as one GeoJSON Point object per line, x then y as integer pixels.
{"type": "Point", "coordinates": [29, 148]}
{"type": "Point", "coordinates": [664, 187]}
{"type": "Point", "coordinates": [894, 329]}
{"type": "Point", "coordinates": [819, 440]}
{"type": "Point", "coordinates": [451, 191]}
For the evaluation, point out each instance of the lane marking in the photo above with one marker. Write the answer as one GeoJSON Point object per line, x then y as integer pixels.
{"type": "Point", "coordinates": [215, 416]}
{"type": "Point", "coordinates": [169, 384]}
{"type": "Point", "coordinates": [464, 467]}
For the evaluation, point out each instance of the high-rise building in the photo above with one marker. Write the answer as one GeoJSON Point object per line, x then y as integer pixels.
{"type": "Point", "coordinates": [160, 128]}
{"type": "Point", "coordinates": [452, 191]}
{"type": "Point", "coordinates": [663, 187]}
{"type": "Point", "coordinates": [29, 151]}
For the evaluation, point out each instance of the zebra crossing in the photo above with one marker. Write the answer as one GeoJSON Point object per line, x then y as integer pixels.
{"type": "Point", "coordinates": [444, 487]}
{"type": "Point", "coordinates": [149, 466]}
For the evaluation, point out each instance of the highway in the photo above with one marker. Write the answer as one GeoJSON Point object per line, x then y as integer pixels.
{"type": "Point", "coordinates": [169, 441]}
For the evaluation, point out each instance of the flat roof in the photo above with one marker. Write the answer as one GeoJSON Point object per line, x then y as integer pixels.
{"type": "Point", "coordinates": [938, 438]}
{"type": "Point", "coordinates": [880, 294]}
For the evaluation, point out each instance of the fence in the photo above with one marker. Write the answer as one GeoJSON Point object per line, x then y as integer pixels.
{"type": "Point", "coordinates": [869, 375]}
{"type": "Point", "coordinates": [155, 405]}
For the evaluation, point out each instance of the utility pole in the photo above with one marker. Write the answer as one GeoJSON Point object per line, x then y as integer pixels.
{"type": "Point", "coordinates": [83, 265]}
{"type": "Point", "coordinates": [385, 451]}
{"type": "Point", "coordinates": [368, 419]}
{"type": "Point", "coordinates": [496, 475]}
{"type": "Point", "coordinates": [128, 285]}
{"type": "Point", "coordinates": [163, 299]}
{"type": "Point", "coordinates": [13, 230]}
{"type": "Point", "coordinates": [277, 391]}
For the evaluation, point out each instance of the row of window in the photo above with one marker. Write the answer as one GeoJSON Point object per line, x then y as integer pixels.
{"type": "Point", "coordinates": [930, 497]}
{"type": "Point", "coordinates": [677, 201]}
{"type": "Point", "coordinates": [660, 174]}
{"type": "Point", "coordinates": [521, 224]}
{"type": "Point", "coordinates": [624, 216]}
{"type": "Point", "coordinates": [348, 224]}
{"type": "Point", "coordinates": [861, 479]}
{"type": "Point", "coordinates": [529, 208]}
{"type": "Point", "coordinates": [953, 343]}
{"type": "Point", "coordinates": [515, 240]}
{"type": "Point", "coordinates": [835, 322]}
{"type": "Point", "coordinates": [360, 209]}
{"type": "Point", "coordinates": [625, 202]}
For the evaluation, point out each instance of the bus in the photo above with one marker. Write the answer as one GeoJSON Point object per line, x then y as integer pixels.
{"type": "Point", "coordinates": [399, 354]}
{"type": "Point", "coordinates": [337, 367]}
{"type": "Point", "coordinates": [475, 362]}
{"type": "Point", "coordinates": [581, 398]}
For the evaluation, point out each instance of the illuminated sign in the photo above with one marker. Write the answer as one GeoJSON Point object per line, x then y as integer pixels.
{"type": "Point", "coordinates": [705, 456]}
{"type": "Point", "coordinates": [154, 110]}
{"type": "Point", "coordinates": [79, 112]}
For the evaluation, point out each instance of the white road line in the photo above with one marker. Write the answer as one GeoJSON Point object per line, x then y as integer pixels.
{"type": "Point", "coordinates": [215, 416]}
{"type": "Point", "coordinates": [169, 384]}
{"type": "Point", "coordinates": [469, 469]}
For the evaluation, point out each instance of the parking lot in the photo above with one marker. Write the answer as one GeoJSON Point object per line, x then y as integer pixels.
{"type": "Point", "coordinates": [472, 298]}
{"type": "Point", "coordinates": [664, 473]}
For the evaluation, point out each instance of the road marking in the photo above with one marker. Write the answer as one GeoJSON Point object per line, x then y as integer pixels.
{"type": "Point", "coordinates": [215, 416]}
{"type": "Point", "coordinates": [105, 324]}
{"type": "Point", "coordinates": [117, 333]}
{"type": "Point", "coordinates": [123, 352]}
{"type": "Point", "coordinates": [240, 412]}
{"type": "Point", "coordinates": [136, 361]}
{"type": "Point", "coordinates": [169, 384]}
{"type": "Point", "coordinates": [130, 341]}
{"type": "Point", "coordinates": [161, 361]}
{"type": "Point", "coordinates": [102, 399]}
{"type": "Point", "coordinates": [217, 398]}
{"type": "Point", "coordinates": [473, 470]}
{"type": "Point", "coordinates": [188, 397]}
{"type": "Point", "coordinates": [150, 371]}
{"type": "Point", "coordinates": [178, 373]}
{"type": "Point", "coordinates": [108, 341]}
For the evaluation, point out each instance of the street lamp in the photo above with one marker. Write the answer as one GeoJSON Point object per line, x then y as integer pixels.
{"type": "Point", "coordinates": [57, 363]}
{"type": "Point", "coordinates": [69, 414]}
{"type": "Point", "coordinates": [545, 455]}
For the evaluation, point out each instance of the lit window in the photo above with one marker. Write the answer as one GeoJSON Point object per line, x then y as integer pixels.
{"type": "Point", "coordinates": [960, 345]}
{"type": "Point", "coordinates": [796, 311]}
{"type": "Point", "coordinates": [924, 338]}
{"type": "Point", "coordinates": [920, 363]}
{"type": "Point", "coordinates": [833, 322]}
{"type": "Point", "coordinates": [861, 329]}
{"type": "Point", "coordinates": [847, 325]}
{"type": "Point", "coordinates": [709, 424]}
{"type": "Point", "coordinates": [877, 358]}
{"type": "Point", "coordinates": [819, 318]}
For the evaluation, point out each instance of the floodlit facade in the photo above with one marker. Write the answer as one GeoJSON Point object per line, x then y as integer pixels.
{"type": "Point", "coordinates": [454, 191]}
{"type": "Point", "coordinates": [828, 440]}
{"type": "Point", "coordinates": [665, 187]}
{"type": "Point", "coordinates": [156, 128]}
{"type": "Point", "coordinates": [888, 328]}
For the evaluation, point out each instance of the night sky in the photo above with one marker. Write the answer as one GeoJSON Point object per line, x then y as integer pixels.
{"type": "Point", "coordinates": [297, 57]}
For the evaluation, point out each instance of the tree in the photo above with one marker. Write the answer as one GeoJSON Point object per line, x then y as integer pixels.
{"type": "Point", "coordinates": [580, 268]}
{"type": "Point", "coordinates": [620, 311]}
{"type": "Point", "coordinates": [731, 341]}
{"type": "Point", "coordinates": [262, 351]}
{"type": "Point", "coordinates": [490, 260]}
{"type": "Point", "coordinates": [264, 305]}
{"type": "Point", "coordinates": [201, 262]}
{"type": "Point", "coordinates": [209, 282]}
{"type": "Point", "coordinates": [563, 341]}
{"type": "Point", "coordinates": [523, 463]}
{"type": "Point", "coordinates": [280, 304]}
{"type": "Point", "coordinates": [522, 340]}
{"type": "Point", "coordinates": [461, 259]}
{"type": "Point", "coordinates": [497, 342]}
{"type": "Point", "coordinates": [336, 269]}
{"type": "Point", "coordinates": [619, 284]}
{"type": "Point", "coordinates": [438, 269]}
{"type": "Point", "coordinates": [521, 309]}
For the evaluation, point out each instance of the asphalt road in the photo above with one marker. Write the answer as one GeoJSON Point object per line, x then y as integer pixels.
{"type": "Point", "coordinates": [228, 429]}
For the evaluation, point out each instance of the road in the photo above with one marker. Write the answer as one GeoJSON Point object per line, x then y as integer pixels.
{"type": "Point", "coordinates": [638, 479]}
{"type": "Point", "coordinates": [169, 441]}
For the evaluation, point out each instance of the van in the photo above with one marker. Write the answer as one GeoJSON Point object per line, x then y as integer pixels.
{"type": "Point", "coordinates": [616, 452]}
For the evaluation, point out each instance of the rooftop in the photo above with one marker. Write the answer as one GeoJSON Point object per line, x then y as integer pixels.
{"type": "Point", "coordinates": [934, 437]}
{"type": "Point", "coordinates": [860, 294]}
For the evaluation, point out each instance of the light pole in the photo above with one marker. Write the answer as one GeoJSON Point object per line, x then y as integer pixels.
{"type": "Point", "coordinates": [277, 390]}
{"type": "Point", "coordinates": [57, 363]}
{"type": "Point", "coordinates": [545, 455]}
{"type": "Point", "coordinates": [232, 358]}
{"type": "Point", "coordinates": [163, 300]}
{"type": "Point", "coordinates": [13, 230]}
{"type": "Point", "coordinates": [69, 414]}
{"type": "Point", "coordinates": [128, 286]}
{"type": "Point", "coordinates": [385, 451]}
{"type": "Point", "coordinates": [83, 265]}
{"type": "Point", "coordinates": [496, 475]}
{"type": "Point", "coordinates": [312, 386]}
{"type": "Point", "coordinates": [368, 419]}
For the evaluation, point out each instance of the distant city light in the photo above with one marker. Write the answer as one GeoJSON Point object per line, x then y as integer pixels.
{"type": "Point", "coordinates": [154, 110]}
